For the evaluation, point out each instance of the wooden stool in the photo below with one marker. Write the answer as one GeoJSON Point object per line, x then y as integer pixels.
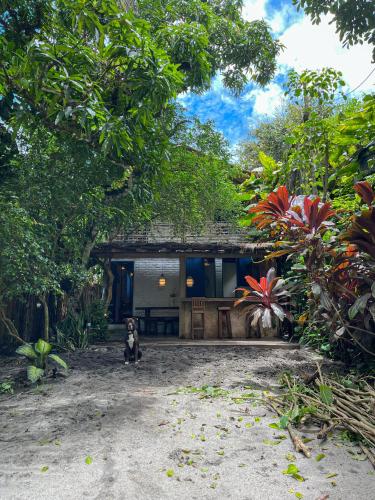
{"type": "Point", "coordinates": [224, 317]}
{"type": "Point", "coordinates": [197, 311]}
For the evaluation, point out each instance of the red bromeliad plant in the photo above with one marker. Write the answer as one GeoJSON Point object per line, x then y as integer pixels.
{"type": "Point", "coordinates": [265, 300]}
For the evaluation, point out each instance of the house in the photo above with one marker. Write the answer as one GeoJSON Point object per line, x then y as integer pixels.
{"type": "Point", "coordinates": [157, 276]}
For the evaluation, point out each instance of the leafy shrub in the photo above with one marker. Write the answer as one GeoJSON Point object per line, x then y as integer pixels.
{"type": "Point", "coordinates": [336, 269]}
{"type": "Point", "coordinates": [71, 333]}
{"type": "Point", "coordinates": [39, 354]}
{"type": "Point", "coordinates": [99, 322]}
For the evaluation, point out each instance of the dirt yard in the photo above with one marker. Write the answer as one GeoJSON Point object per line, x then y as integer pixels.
{"type": "Point", "coordinates": [107, 431]}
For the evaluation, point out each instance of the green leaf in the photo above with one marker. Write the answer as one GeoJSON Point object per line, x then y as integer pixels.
{"type": "Point", "coordinates": [27, 350]}
{"type": "Point", "coordinates": [326, 394]}
{"type": "Point", "coordinates": [293, 471]}
{"type": "Point", "coordinates": [170, 472]}
{"type": "Point", "coordinates": [298, 494]}
{"type": "Point", "coordinates": [274, 426]}
{"type": "Point", "coordinates": [44, 468]}
{"type": "Point", "coordinates": [331, 474]}
{"type": "Point", "coordinates": [359, 305]}
{"type": "Point", "coordinates": [34, 374]}
{"type": "Point", "coordinates": [43, 347]}
{"type": "Point", "coordinates": [58, 360]}
{"type": "Point", "coordinates": [88, 460]}
{"type": "Point", "coordinates": [290, 457]}
{"type": "Point", "coordinates": [319, 457]}
{"type": "Point", "coordinates": [283, 423]}
{"type": "Point", "coordinates": [270, 442]}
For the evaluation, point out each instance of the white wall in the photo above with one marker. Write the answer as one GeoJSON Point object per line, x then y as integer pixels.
{"type": "Point", "coordinates": [229, 279]}
{"type": "Point", "coordinates": [146, 284]}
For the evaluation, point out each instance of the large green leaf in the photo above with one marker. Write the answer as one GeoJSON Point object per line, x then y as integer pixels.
{"type": "Point", "coordinates": [43, 347]}
{"type": "Point", "coordinates": [34, 374]}
{"type": "Point", "coordinates": [27, 350]}
{"type": "Point", "coordinates": [58, 360]}
{"type": "Point", "coordinates": [326, 394]}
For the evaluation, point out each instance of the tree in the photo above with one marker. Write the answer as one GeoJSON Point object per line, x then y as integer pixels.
{"type": "Point", "coordinates": [88, 122]}
{"type": "Point", "coordinates": [354, 19]}
{"type": "Point", "coordinates": [317, 145]}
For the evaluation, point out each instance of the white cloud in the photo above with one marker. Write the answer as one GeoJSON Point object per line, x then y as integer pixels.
{"type": "Point", "coordinates": [311, 46]}
{"type": "Point", "coordinates": [254, 9]}
{"type": "Point", "coordinates": [265, 101]}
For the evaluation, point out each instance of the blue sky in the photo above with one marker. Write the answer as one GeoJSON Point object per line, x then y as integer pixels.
{"type": "Point", "coordinates": [307, 47]}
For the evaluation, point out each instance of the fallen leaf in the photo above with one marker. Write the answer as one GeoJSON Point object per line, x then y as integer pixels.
{"type": "Point", "coordinates": [88, 460]}
{"type": "Point", "coordinates": [298, 494]}
{"type": "Point", "coordinates": [221, 452]}
{"type": "Point", "coordinates": [307, 440]}
{"type": "Point", "coordinates": [319, 457]}
{"type": "Point", "coordinates": [248, 425]}
{"type": "Point", "coordinates": [290, 457]}
{"type": "Point", "coordinates": [44, 468]}
{"type": "Point", "coordinates": [331, 474]}
{"type": "Point", "coordinates": [293, 471]}
{"type": "Point", "coordinates": [270, 442]}
{"type": "Point", "coordinates": [170, 472]}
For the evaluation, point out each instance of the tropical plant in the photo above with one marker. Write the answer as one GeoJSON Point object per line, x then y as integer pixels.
{"type": "Point", "coordinates": [39, 354]}
{"type": "Point", "coordinates": [72, 332]}
{"type": "Point", "coordinates": [339, 272]}
{"type": "Point", "coordinates": [265, 300]}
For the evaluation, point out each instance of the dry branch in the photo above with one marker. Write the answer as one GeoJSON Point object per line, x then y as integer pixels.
{"type": "Point", "coordinates": [350, 408]}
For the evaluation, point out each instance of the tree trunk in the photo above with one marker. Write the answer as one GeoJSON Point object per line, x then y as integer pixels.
{"type": "Point", "coordinates": [326, 173]}
{"type": "Point", "coordinates": [9, 325]}
{"type": "Point", "coordinates": [44, 301]}
{"type": "Point", "coordinates": [109, 278]}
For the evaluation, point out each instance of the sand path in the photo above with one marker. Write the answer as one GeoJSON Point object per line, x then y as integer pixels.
{"type": "Point", "coordinates": [144, 439]}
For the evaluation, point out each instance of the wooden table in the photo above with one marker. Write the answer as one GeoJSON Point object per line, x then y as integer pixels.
{"type": "Point", "coordinates": [148, 318]}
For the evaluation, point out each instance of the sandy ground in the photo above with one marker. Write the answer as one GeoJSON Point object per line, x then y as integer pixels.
{"type": "Point", "coordinates": [107, 431]}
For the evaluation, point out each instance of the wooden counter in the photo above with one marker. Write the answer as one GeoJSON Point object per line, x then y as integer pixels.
{"type": "Point", "coordinates": [238, 319]}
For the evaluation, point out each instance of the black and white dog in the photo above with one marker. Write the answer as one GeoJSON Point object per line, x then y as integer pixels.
{"type": "Point", "coordinates": [132, 351]}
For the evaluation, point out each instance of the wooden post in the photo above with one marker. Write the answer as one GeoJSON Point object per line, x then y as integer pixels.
{"type": "Point", "coordinates": [182, 295]}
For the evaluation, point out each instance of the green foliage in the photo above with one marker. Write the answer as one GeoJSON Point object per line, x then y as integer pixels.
{"type": "Point", "coordinates": [97, 316]}
{"type": "Point", "coordinates": [6, 387]}
{"type": "Point", "coordinates": [38, 354]}
{"type": "Point", "coordinates": [91, 137]}
{"type": "Point", "coordinates": [72, 332]}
